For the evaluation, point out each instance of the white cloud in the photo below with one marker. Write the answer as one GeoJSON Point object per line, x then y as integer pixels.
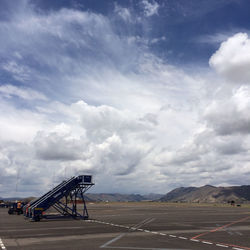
{"type": "Point", "coordinates": [57, 146]}
{"type": "Point", "coordinates": [231, 116]}
{"type": "Point", "coordinates": [99, 102]}
{"type": "Point", "coordinates": [217, 38]}
{"type": "Point", "coordinates": [9, 91]}
{"type": "Point", "coordinates": [18, 124]}
{"type": "Point", "coordinates": [124, 13]}
{"type": "Point", "coordinates": [232, 59]}
{"type": "Point", "coordinates": [19, 72]}
{"type": "Point", "coordinates": [150, 8]}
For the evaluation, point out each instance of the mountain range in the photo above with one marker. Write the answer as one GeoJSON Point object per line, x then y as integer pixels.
{"type": "Point", "coordinates": [204, 194]}
{"type": "Point", "coordinates": [121, 197]}
{"type": "Point", "coordinates": [209, 194]}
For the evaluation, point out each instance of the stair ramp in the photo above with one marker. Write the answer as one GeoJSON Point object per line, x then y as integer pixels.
{"type": "Point", "coordinates": [63, 198]}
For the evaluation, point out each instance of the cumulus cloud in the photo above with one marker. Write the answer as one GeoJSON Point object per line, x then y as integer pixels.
{"type": "Point", "coordinates": [232, 115]}
{"type": "Point", "coordinates": [216, 160]}
{"type": "Point", "coordinates": [232, 59]}
{"type": "Point", "coordinates": [20, 173]}
{"type": "Point", "coordinates": [83, 98]}
{"type": "Point", "coordinates": [54, 146]}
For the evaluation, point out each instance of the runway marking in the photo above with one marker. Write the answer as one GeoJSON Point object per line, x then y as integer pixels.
{"type": "Point", "coordinates": [113, 240]}
{"type": "Point", "coordinates": [154, 232]}
{"type": "Point", "coordinates": [220, 245]}
{"type": "Point", "coordinates": [2, 245]}
{"type": "Point", "coordinates": [239, 247]}
{"type": "Point", "coordinates": [207, 242]}
{"type": "Point", "coordinates": [225, 227]}
{"type": "Point", "coordinates": [219, 228]}
{"type": "Point", "coordinates": [193, 239]}
{"type": "Point", "coordinates": [134, 228]}
{"type": "Point", "coordinates": [173, 236]}
{"type": "Point", "coordinates": [230, 231]}
{"type": "Point", "coordinates": [143, 248]}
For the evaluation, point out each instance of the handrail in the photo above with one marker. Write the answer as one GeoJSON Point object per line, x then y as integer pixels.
{"type": "Point", "coordinates": [54, 190]}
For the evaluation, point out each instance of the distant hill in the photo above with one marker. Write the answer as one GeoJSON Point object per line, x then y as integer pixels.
{"type": "Point", "coordinates": [27, 199]}
{"type": "Point", "coordinates": [208, 194]}
{"type": "Point", "coordinates": [152, 196]}
{"type": "Point", "coordinates": [205, 194]}
{"type": "Point", "coordinates": [106, 197]}
{"type": "Point", "coordinates": [113, 197]}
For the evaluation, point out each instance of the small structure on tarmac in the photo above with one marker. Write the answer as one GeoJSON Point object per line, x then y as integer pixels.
{"type": "Point", "coordinates": [16, 208]}
{"type": "Point", "coordinates": [63, 198]}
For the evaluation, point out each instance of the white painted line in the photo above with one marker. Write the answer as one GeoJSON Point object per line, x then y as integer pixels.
{"type": "Point", "coordinates": [154, 232]}
{"type": "Point", "coordinates": [194, 240]}
{"type": "Point", "coordinates": [147, 231]}
{"type": "Point", "coordinates": [207, 242]}
{"type": "Point", "coordinates": [173, 236]}
{"type": "Point", "coordinates": [220, 245]}
{"type": "Point", "coordinates": [2, 245]}
{"type": "Point", "coordinates": [112, 241]}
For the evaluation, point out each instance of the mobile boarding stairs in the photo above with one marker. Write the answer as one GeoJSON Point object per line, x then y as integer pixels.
{"type": "Point", "coordinates": [63, 198]}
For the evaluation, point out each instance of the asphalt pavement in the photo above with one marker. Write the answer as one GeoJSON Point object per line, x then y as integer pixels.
{"type": "Point", "coordinates": [133, 226]}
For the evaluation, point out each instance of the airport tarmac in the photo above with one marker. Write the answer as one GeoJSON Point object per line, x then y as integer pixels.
{"type": "Point", "coordinates": [129, 226]}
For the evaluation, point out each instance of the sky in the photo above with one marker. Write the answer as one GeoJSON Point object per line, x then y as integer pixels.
{"type": "Point", "coordinates": [145, 95]}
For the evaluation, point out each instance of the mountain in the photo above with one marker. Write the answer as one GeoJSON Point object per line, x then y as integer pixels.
{"type": "Point", "coordinates": [113, 197]}
{"type": "Point", "coordinates": [208, 194]}
{"type": "Point", "coordinates": [152, 196]}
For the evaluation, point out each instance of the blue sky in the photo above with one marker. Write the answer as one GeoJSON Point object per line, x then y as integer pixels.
{"type": "Point", "coordinates": [149, 95]}
{"type": "Point", "coordinates": [184, 24]}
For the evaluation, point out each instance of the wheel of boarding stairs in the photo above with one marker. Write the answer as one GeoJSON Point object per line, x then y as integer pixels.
{"type": "Point", "coordinates": [11, 211]}
{"type": "Point", "coordinates": [37, 218]}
